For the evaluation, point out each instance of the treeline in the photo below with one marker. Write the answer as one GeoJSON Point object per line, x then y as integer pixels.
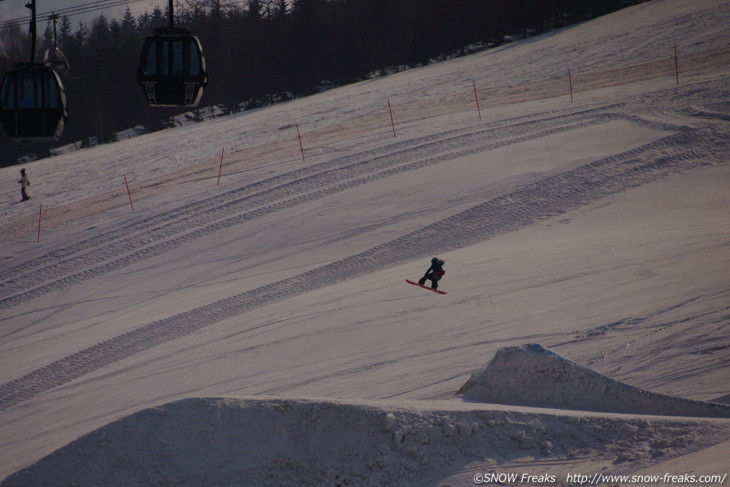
{"type": "Point", "coordinates": [272, 50]}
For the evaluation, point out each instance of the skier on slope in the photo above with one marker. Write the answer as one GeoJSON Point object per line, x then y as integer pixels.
{"type": "Point", "coordinates": [434, 273]}
{"type": "Point", "coordinates": [24, 183]}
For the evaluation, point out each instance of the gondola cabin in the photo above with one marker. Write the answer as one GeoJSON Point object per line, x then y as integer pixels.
{"type": "Point", "coordinates": [172, 69]}
{"type": "Point", "coordinates": [33, 104]}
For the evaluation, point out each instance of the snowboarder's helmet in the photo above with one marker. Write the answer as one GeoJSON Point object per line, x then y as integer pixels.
{"type": "Point", "coordinates": [434, 260]}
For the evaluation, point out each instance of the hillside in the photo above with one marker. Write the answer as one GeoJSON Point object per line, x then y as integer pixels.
{"type": "Point", "coordinates": [256, 330]}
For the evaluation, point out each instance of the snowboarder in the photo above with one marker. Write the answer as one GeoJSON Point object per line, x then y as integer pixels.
{"type": "Point", "coordinates": [434, 273]}
{"type": "Point", "coordinates": [24, 183]}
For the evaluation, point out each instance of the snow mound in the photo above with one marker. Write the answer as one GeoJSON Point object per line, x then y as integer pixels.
{"type": "Point", "coordinates": [275, 442]}
{"type": "Point", "coordinates": [531, 375]}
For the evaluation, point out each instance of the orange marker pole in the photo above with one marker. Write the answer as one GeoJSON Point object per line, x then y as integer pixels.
{"type": "Point", "coordinates": [392, 123]}
{"type": "Point", "coordinates": [220, 167]}
{"type": "Point", "coordinates": [40, 215]}
{"type": "Point", "coordinates": [128, 192]}
{"type": "Point", "coordinates": [301, 147]}
{"type": "Point", "coordinates": [570, 83]}
{"type": "Point", "coordinates": [476, 97]}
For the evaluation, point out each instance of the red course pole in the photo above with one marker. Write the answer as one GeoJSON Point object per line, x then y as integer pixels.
{"type": "Point", "coordinates": [392, 124]}
{"type": "Point", "coordinates": [40, 214]}
{"type": "Point", "coordinates": [676, 64]}
{"type": "Point", "coordinates": [220, 167]}
{"type": "Point", "coordinates": [128, 192]}
{"type": "Point", "coordinates": [476, 97]}
{"type": "Point", "coordinates": [301, 147]}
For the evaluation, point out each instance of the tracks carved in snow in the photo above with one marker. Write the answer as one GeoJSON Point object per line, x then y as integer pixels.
{"type": "Point", "coordinates": [546, 198]}
{"type": "Point", "coordinates": [159, 234]}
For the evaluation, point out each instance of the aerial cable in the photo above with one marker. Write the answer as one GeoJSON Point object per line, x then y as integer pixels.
{"type": "Point", "coordinates": [71, 11]}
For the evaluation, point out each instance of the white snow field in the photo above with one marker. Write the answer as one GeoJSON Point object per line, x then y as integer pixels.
{"type": "Point", "coordinates": [259, 332]}
{"type": "Point", "coordinates": [517, 375]}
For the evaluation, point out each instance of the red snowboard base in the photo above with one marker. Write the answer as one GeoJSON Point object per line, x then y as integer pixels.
{"type": "Point", "coordinates": [424, 287]}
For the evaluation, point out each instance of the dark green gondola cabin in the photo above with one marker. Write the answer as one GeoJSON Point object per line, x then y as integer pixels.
{"type": "Point", "coordinates": [172, 69]}
{"type": "Point", "coordinates": [33, 104]}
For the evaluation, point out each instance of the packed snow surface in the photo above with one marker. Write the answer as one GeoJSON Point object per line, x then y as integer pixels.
{"type": "Point", "coordinates": [530, 375]}
{"type": "Point", "coordinates": [236, 441]}
{"type": "Point", "coordinates": [254, 328]}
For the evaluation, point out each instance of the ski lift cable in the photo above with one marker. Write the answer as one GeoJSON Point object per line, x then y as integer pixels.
{"type": "Point", "coordinates": [70, 11]}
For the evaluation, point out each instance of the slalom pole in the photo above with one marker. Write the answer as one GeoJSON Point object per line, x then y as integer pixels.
{"type": "Point", "coordinates": [40, 214]}
{"type": "Point", "coordinates": [128, 192]}
{"type": "Point", "coordinates": [676, 64]}
{"type": "Point", "coordinates": [220, 167]}
{"type": "Point", "coordinates": [476, 97]}
{"type": "Point", "coordinates": [301, 147]}
{"type": "Point", "coordinates": [392, 123]}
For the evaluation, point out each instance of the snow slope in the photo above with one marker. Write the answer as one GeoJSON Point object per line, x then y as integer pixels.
{"type": "Point", "coordinates": [596, 228]}
{"type": "Point", "coordinates": [534, 376]}
{"type": "Point", "coordinates": [268, 441]}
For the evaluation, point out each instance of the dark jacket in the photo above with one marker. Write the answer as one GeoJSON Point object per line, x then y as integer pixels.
{"type": "Point", "coordinates": [437, 268]}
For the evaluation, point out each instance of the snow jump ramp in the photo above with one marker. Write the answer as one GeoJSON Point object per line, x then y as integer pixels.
{"type": "Point", "coordinates": [531, 375]}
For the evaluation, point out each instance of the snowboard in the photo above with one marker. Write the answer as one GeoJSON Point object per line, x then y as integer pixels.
{"type": "Point", "coordinates": [424, 287]}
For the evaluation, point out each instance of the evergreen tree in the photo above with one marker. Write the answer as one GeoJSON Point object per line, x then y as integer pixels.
{"type": "Point", "coordinates": [48, 37]}
{"type": "Point", "coordinates": [14, 46]}
{"type": "Point", "coordinates": [261, 51]}
{"type": "Point", "coordinates": [65, 33]}
{"type": "Point", "coordinates": [129, 26]}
